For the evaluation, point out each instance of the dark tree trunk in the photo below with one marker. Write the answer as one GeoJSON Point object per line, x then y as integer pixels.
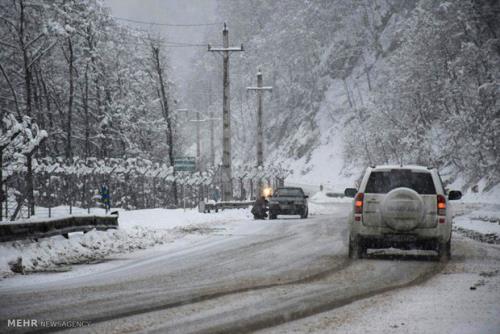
{"type": "Point", "coordinates": [49, 111]}
{"type": "Point", "coordinates": [26, 61]}
{"type": "Point", "coordinates": [27, 86]}
{"type": "Point", "coordinates": [2, 195]}
{"type": "Point", "coordinates": [69, 149]}
{"type": "Point", "coordinates": [166, 115]}
{"type": "Point", "coordinates": [86, 149]}
{"type": "Point", "coordinates": [29, 185]}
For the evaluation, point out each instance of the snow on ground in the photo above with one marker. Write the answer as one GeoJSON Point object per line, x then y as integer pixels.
{"type": "Point", "coordinates": [477, 214]}
{"type": "Point", "coordinates": [321, 204]}
{"type": "Point", "coordinates": [139, 229]}
{"type": "Point", "coordinates": [479, 194]}
{"type": "Point", "coordinates": [322, 197]}
{"type": "Point", "coordinates": [463, 298]}
{"type": "Point", "coordinates": [49, 254]}
{"type": "Point", "coordinates": [176, 218]}
{"type": "Point", "coordinates": [442, 305]}
{"type": "Point", "coordinates": [480, 223]}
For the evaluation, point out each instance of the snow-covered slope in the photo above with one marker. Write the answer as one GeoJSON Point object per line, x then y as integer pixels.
{"type": "Point", "coordinates": [360, 83]}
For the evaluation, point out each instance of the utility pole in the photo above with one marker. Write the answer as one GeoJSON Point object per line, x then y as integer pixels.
{"type": "Point", "coordinates": [212, 148]}
{"type": "Point", "coordinates": [212, 120]}
{"type": "Point", "coordinates": [197, 120]}
{"type": "Point", "coordinates": [227, 192]}
{"type": "Point", "coordinates": [260, 133]}
{"type": "Point", "coordinates": [198, 155]}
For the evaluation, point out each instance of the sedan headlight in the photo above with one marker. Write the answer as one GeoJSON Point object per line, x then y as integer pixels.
{"type": "Point", "coordinates": [266, 192]}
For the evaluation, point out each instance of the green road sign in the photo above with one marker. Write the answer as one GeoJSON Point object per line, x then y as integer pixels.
{"type": "Point", "coordinates": [185, 164]}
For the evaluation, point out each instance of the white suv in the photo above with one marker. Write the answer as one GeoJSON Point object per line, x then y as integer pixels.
{"type": "Point", "coordinates": [401, 207]}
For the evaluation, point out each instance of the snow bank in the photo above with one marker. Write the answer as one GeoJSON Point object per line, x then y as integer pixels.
{"type": "Point", "coordinates": [49, 254]}
{"type": "Point", "coordinates": [482, 224]}
{"type": "Point", "coordinates": [139, 229]}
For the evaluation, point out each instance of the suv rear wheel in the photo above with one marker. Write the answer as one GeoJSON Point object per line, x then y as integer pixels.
{"type": "Point", "coordinates": [357, 249]}
{"type": "Point", "coordinates": [444, 250]}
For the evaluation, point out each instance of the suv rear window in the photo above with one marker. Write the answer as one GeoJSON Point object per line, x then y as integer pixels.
{"type": "Point", "coordinates": [288, 192]}
{"type": "Point", "coordinates": [383, 182]}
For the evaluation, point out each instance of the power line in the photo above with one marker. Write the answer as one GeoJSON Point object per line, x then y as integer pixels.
{"type": "Point", "coordinates": [166, 24]}
{"type": "Point", "coordinates": [144, 39]}
{"type": "Point", "coordinates": [180, 44]}
{"type": "Point", "coordinates": [165, 43]}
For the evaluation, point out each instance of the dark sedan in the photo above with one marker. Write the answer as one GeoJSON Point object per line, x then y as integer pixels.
{"type": "Point", "coordinates": [288, 201]}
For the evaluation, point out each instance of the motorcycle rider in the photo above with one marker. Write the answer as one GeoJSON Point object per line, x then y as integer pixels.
{"type": "Point", "coordinates": [259, 208]}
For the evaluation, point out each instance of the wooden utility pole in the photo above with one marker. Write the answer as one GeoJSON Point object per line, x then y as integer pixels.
{"type": "Point", "coordinates": [260, 132]}
{"type": "Point", "coordinates": [227, 192]}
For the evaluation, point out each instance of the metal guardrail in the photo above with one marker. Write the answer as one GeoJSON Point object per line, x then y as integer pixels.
{"type": "Point", "coordinates": [208, 207]}
{"type": "Point", "coordinates": [57, 226]}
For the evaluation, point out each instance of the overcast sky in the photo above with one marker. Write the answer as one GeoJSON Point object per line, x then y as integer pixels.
{"type": "Point", "coordinates": [172, 12]}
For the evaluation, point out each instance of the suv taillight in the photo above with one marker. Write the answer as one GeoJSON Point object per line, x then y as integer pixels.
{"type": "Point", "coordinates": [358, 203]}
{"type": "Point", "coordinates": [441, 205]}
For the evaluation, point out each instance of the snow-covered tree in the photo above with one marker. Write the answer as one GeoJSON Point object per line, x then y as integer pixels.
{"type": "Point", "coordinates": [18, 142]}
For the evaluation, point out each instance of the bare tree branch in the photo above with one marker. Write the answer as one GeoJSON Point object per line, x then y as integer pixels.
{"type": "Point", "coordinates": [14, 96]}
{"type": "Point", "coordinates": [41, 54]}
{"type": "Point", "coordinates": [34, 40]}
{"type": "Point", "coordinates": [9, 22]}
{"type": "Point", "coordinates": [8, 44]}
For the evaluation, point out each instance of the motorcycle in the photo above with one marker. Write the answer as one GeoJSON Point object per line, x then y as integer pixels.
{"type": "Point", "coordinates": [260, 208]}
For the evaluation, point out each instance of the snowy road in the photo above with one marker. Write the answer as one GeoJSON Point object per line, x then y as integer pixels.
{"type": "Point", "coordinates": [252, 276]}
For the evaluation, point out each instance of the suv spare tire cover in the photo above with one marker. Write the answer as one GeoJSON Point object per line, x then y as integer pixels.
{"type": "Point", "coordinates": [402, 209]}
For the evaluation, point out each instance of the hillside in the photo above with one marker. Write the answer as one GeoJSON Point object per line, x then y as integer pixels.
{"type": "Point", "coordinates": [367, 83]}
